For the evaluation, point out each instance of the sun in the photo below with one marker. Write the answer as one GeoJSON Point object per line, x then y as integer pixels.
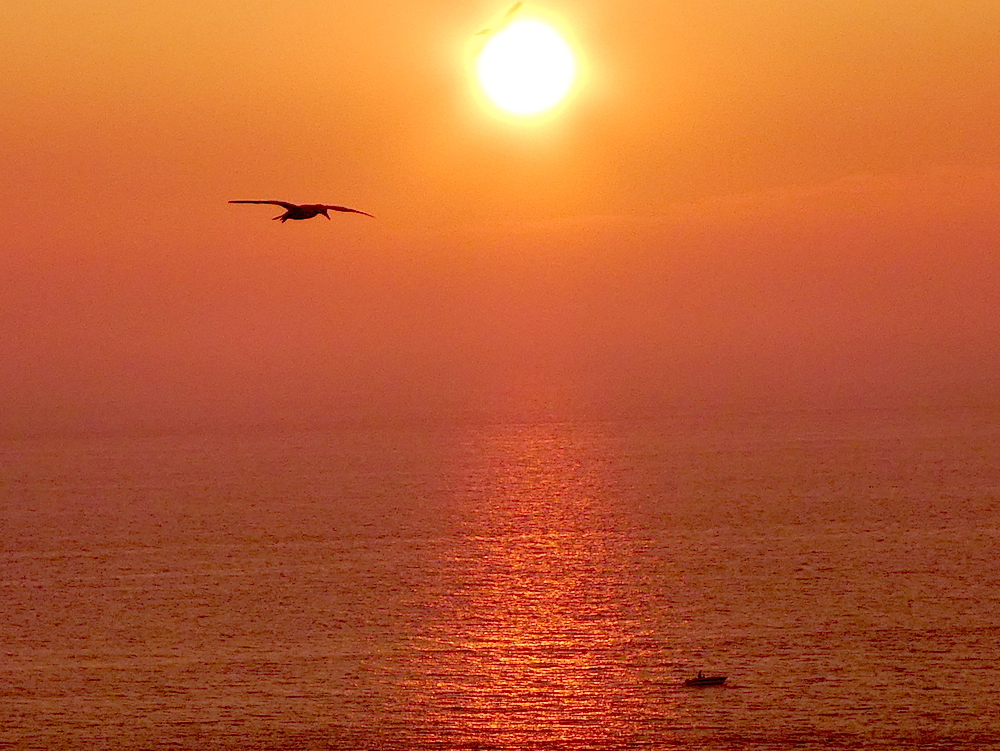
{"type": "Point", "coordinates": [526, 68]}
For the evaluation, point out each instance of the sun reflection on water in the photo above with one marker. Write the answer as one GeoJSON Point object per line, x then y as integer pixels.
{"type": "Point", "coordinates": [538, 642]}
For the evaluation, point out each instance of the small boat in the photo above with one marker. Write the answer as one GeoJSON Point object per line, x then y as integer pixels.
{"type": "Point", "coordinates": [706, 680]}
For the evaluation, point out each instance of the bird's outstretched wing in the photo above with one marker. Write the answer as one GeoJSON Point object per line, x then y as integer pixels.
{"type": "Point", "coordinates": [511, 12]}
{"type": "Point", "coordinates": [282, 204]}
{"type": "Point", "coordinates": [346, 208]}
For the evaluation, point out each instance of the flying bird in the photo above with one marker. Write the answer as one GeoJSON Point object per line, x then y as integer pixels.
{"type": "Point", "coordinates": [506, 20]}
{"type": "Point", "coordinates": [305, 211]}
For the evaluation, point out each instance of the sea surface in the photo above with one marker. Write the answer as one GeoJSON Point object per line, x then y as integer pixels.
{"type": "Point", "coordinates": [507, 585]}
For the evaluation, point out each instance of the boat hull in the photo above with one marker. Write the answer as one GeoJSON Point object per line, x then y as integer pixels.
{"type": "Point", "coordinates": [708, 680]}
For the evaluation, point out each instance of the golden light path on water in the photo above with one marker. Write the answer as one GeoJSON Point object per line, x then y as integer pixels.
{"type": "Point", "coordinates": [537, 642]}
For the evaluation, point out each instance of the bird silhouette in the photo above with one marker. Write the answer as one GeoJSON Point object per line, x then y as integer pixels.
{"type": "Point", "coordinates": [305, 211]}
{"type": "Point", "coordinates": [506, 19]}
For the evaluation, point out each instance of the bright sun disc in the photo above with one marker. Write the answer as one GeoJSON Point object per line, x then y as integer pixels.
{"type": "Point", "coordinates": [526, 68]}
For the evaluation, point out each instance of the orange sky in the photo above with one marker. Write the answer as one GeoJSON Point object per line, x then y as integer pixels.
{"type": "Point", "coordinates": [770, 203]}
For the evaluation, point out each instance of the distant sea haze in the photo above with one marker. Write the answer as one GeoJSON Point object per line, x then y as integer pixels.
{"type": "Point", "coordinates": [510, 585]}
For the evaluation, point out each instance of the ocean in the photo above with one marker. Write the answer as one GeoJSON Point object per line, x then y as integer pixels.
{"type": "Point", "coordinates": [484, 584]}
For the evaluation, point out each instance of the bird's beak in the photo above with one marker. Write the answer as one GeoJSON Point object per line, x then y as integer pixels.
{"type": "Point", "coordinates": [326, 215]}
